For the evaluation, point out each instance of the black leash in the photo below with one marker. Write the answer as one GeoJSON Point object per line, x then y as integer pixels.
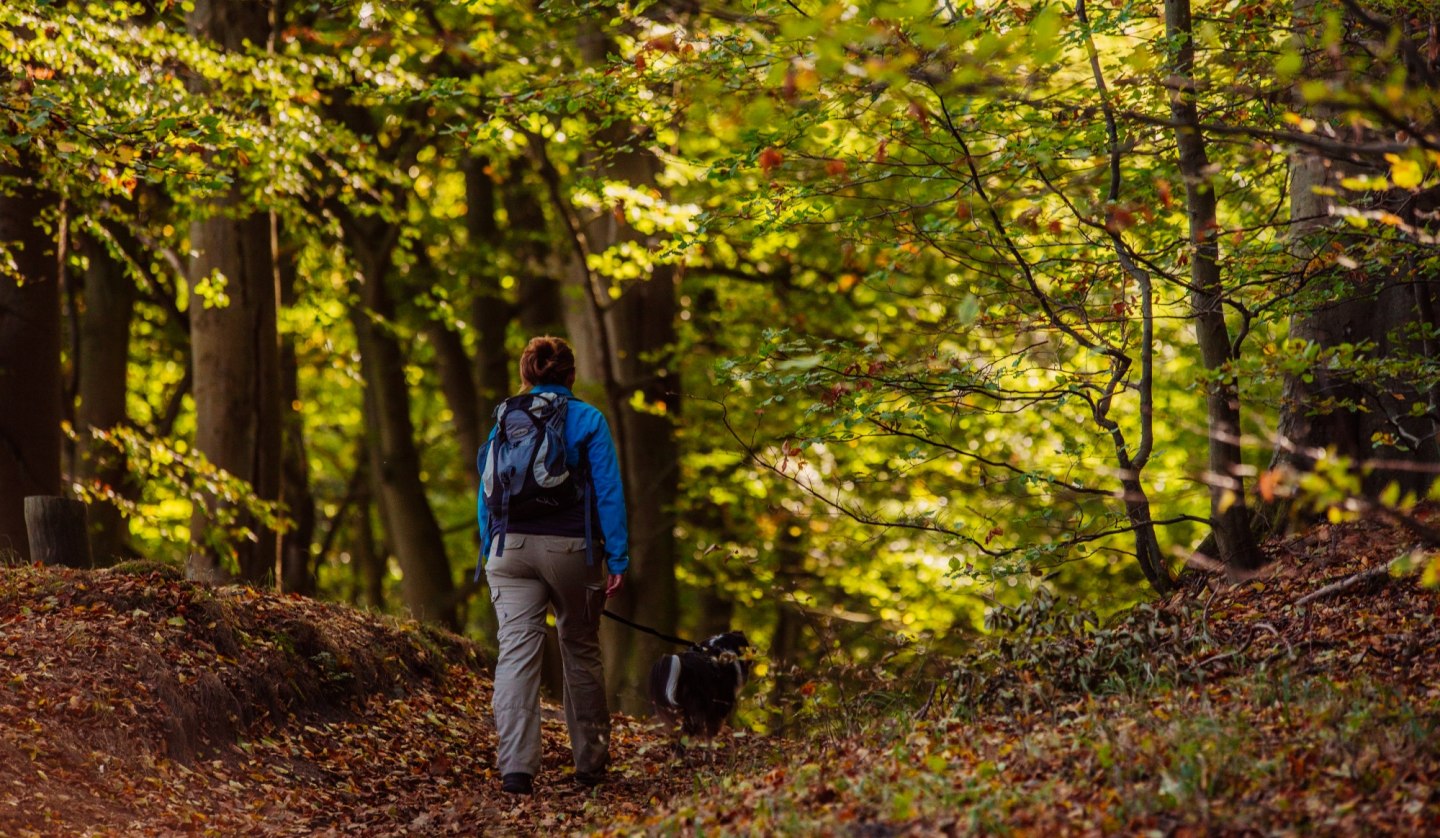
{"type": "Point", "coordinates": [668, 638]}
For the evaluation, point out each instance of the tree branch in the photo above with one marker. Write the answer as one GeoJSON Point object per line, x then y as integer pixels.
{"type": "Point", "coordinates": [1354, 580]}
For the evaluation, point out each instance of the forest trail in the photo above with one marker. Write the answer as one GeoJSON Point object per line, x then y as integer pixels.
{"type": "Point", "coordinates": [140, 704]}
{"type": "Point", "coordinates": [133, 703]}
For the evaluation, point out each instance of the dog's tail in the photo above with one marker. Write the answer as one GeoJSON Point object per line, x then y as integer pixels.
{"type": "Point", "coordinates": [665, 681]}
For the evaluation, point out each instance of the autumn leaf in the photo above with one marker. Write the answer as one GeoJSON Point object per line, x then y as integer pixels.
{"type": "Point", "coordinates": [1162, 188]}
{"type": "Point", "coordinates": [770, 159]}
{"type": "Point", "coordinates": [918, 113]}
{"type": "Point", "coordinates": [1404, 172]}
{"type": "Point", "coordinates": [1265, 485]}
{"type": "Point", "coordinates": [1118, 219]}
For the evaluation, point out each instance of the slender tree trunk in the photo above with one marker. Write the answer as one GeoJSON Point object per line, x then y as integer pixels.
{"type": "Point", "coordinates": [30, 385]}
{"type": "Point", "coordinates": [786, 643]}
{"type": "Point", "coordinates": [413, 531]}
{"type": "Point", "coordinates": [369, 562]}
{"type": "Point", "coordinates": [470, 426]}
{"type": "Point", "coordinates": [107, 308]}
{"type": "Point", "coordinates": [235, 344]}
{"type": "Point", "coordinates": [716, 608]}
{"type": "Point", "coordinates": [541, 308]}
{"type": "Point", "coordinates": [473, 389]}
{"type": "Point", "coordinates": [491, 313]}
{"type": "Point", "coordinates": [458, 386]}
{"type": "Point", "coordinates": [1229, 514]}
{"type": "Point", "coordinates": [488, 378]}
{"type": "Point", "coordinates": [1147, 544]}
{"type": "Point", "coordinates": [297, 571]}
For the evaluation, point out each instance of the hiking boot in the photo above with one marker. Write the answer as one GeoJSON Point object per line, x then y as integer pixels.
{"type": "Point", "coordinates": [517, 784]}
{"type": "Point", "coordinates": [591, 779]}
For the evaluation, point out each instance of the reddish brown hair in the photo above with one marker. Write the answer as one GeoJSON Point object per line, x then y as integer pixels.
{"type": "Point", "coordinates": [547, 360]}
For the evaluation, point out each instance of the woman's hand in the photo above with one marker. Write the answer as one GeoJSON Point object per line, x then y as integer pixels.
{"type": "Point", "coordinates": [613, 583]}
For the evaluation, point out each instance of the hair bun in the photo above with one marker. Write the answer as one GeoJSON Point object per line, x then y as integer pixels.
{"type": "Point", "coordinates": [547, 360]}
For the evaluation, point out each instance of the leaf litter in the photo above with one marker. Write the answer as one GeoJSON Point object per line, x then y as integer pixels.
{"type": "Point", "coordinates": [139, 704]}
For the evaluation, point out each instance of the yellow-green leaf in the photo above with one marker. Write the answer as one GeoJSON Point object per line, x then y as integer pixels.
{"type": "Point", "coordinates": [1404, 172]}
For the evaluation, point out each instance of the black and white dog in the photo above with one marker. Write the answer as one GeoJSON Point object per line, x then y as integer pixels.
{"type": "Point", "coordinates": [698, 687]}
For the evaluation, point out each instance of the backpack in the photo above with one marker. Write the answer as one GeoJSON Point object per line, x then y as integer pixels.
{"type": "Point", "coordinates": [523, 474]}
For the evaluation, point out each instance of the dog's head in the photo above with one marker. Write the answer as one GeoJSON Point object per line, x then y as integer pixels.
{"type": "Point", "coordinates": [727, 646]}
{"type": "Point", "coordinates": [730, 648]}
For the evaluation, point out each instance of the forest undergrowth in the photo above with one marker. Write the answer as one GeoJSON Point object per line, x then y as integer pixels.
{"type": "Point", "coordinates": [134, 703]}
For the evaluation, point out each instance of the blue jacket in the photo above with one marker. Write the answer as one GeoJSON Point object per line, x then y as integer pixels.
{"type": "Point", "coordinates": [586, 431]}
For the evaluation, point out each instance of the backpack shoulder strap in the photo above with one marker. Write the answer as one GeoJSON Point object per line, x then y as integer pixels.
{"type": "Point", "coordinates": [501, 521]}
{"type": "Point", "coordinates": [501, 409]}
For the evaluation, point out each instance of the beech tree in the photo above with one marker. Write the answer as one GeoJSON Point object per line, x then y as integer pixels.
{"type": "Point", "coordinates": [234, 289]}
{"type": "Point", "coordinates": [626, 331]}
{"type": "Point", "coordinates": [1229, 515]}
{"type": "Point", "coordinates": [1362, 385]}
{"type": "Point", "coordinates": [102, 364]}
{"type": "Point", "coordinates": [30, 384]}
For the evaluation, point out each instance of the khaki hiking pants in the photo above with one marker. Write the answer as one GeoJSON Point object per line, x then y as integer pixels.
{"type": "Point", "coordinates": [536, 572]}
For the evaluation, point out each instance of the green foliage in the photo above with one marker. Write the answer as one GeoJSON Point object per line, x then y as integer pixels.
{"type": "Point", "coordinates": [925, 265]}
{"type": "Point", "coordinates": [174, 480]}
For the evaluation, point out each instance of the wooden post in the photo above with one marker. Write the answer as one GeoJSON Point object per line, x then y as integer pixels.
{"type": "Point", "coordinates": [58, 531]}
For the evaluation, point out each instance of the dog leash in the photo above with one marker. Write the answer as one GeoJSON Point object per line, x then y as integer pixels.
{"type": "Point", "coordinates": [668, 638]}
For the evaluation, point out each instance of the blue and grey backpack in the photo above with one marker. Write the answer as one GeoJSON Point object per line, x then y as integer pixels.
{"type": "Point", "coordinates": [523, 474]}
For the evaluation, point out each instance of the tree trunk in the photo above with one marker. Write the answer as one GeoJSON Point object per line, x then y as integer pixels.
{"type": "Point", "coordinates": [491, 313]}
{"type": "Point", "coordinates": [108, 306]}
{"type": "Point", "coordinates": [1364, 422]}
{"type": "Point", "coordinates": [415, 535]}
{"type": "Point", "coordinates": [30, 438]}
{"type": "Point", "coordinates": [641, 328]}
{"type": "Point", "coordinates": [58, 531]}
{"type": "Point", "coordinates": [458, 386]}
{"type": "Point", "coordinates": [541, 307]}
{"type": "Point", "coordinates": [629, 343]}
{"type": "Point", "coordinates": [235, 344]}
{"type": "Point", "coordinates": [1379, 435]}
{"type": "Point", "coordinates": [786, 651]}
{"type": "Point", "coordinates": [1229, 514]}
{"type": "Point", "coordinates": [236, 378]}
{"type": "Point", "coordinates": [368, 561]}
{"type": "Point", "coordinates": [297, 572]}
{"type": "Point", "coordinates": [1147, 543]}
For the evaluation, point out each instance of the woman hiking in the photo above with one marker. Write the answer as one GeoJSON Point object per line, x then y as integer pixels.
{"type": "Point", "coordinates": [553, 535]}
